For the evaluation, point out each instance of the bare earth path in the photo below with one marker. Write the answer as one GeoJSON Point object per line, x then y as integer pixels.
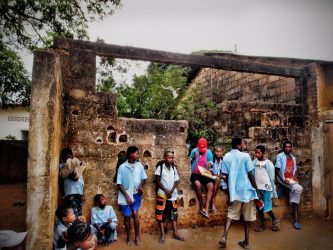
{"type": "Point", "coordinates": [315, 234]}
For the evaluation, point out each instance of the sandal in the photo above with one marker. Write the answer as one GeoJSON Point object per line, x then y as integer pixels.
{"type": "Point", "coordinates": [223, 244]}
{"type": "Point", "coordinates": [297, 226]}
{"type": "Point", "coordinates": [260, 228]}
{"type": "Point", "coordinates": [242, 244]}
{"type": "Point", "coordinates": [176, 237]}
{"type": "Point", "coordinates": [204, 213]}
{"type": "Point", "coordinates": [276, 225]}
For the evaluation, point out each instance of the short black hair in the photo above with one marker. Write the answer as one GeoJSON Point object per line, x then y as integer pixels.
{"type": "Point", "coordinates": [261, 148]}
{"type": "Point", "coordinates": [97, 197]}
{"type": "Point", "coordinates": [131, 150]}
{"type": "Point", "coordinates": [65, 151]}
{"type": "Point", "coordinates": [168, 152]}
{"type": "Point", "coordinates": [218, 146]}
{"type": "Point", "coordinates": [286, 142]}
{"type": "Point", "coordinates": [62, 211]}
{"type": "Point", "coordinates": [236, 141]}
{"type": "Point", "coordinates": [78, 231]}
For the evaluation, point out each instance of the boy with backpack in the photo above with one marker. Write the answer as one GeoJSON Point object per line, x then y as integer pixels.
{"type": "Point", "coordinates": [166, 208]}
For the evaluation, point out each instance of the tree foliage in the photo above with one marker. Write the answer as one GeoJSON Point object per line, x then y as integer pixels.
{"type": "Point", "coordinates": [27, 24]}
{"type": "Point", "coordinates": [153, 95]}
{"type": "Point", "coordinates": [14, 79]}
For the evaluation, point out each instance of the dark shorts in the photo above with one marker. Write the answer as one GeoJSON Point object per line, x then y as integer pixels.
{"type": "Point", "coordinates": [203, 179]}
{"type": "Point", "coordinates": [166, 210]}
{"type": "Point", "coordinates": [75, 201]}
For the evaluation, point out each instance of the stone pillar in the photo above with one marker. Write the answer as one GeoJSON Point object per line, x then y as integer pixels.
{"type": "Point", "coordinates": [44, 147]}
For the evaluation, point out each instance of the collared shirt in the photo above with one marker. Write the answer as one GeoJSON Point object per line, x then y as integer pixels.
{"type": "Point", "coordinates": [130, 176]}
{"type": "Point", "coordinates": [73, 187]}
{"type": "Point", "coordinates": [217, 170]}
{"type": "Point", "coordinates": [60, 228]}
{"type": "Point", "coordinates": [281, 163]}
{"type": "Point", "coordinates": [237, 165]}
{"type": "Point", "coordinates": [168, 178]}
{"type": "Point", "coordinates": [100, 216]}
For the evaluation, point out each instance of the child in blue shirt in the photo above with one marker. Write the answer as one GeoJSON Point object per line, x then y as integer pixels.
{"type": "Point", "coordinates": [104, 219]}
{"type": "Point", "coordinates": [131, 177]}
{"type": "Point", "coordinates": [71, 170]}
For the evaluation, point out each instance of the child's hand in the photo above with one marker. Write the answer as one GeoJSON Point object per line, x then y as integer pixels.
{"type": "Point", "coordinates": [140, 191]}
{"type": "Point", "coordinates": [128, 200]}
{"type": "Point", "coordinates": [82, 218]}
{"type": "Point", "coordinates": [109, 220]}
{"type": "Point", "coordinates": [168, 194]}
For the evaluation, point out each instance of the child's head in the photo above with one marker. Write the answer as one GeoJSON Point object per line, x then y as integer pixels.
{"type": "Point", "coordinates": [202, 145]}
{"type": "Point", "coordinates": [237, 143]}
{"type": "Point", "coordinates": [169, 157]}
{"type": "Point", "coordinates": [80, 236]}
{"type": "Point", "coordinates": [65, 214]}
{"type": "Point", "coordinates": [133, 153]}
{"type": "Point", "coordinates": [218, 151]}
{"type": "Point", "coordinates": [100, 200]}
{"type": "Point", "coordinates": [65, 154]}
{"type": "Point", "coordinates": [287, 147]}
{"type": "Point", "coordinates": [259, 152]}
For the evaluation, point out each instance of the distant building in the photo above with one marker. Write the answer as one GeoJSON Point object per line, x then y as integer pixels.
{"type": "Point", "coordinates": [14, 122]}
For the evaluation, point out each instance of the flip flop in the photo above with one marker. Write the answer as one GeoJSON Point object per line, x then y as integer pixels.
{"type": "Point", "coordinates": [178, 238]}
{"type": "Point", "coordinates": [297, 226]}
{"type": "Point", "coordinates": [223, 244]}
{"type": "Point", "coordinates": [204, 213]}
{"type": "Point", "coordinates": [276, 225]}
{"type": "Point", "coordinates": [259, 228]}
{"type": "Point", "coordinates": [242, 244]}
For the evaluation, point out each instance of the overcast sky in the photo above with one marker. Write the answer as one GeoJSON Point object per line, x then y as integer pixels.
{"type": "Point", "coordinates": [280, 28]}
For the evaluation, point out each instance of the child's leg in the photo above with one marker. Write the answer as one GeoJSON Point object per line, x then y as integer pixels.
{"type": "Point", "coordinates": [162, 225]}
{"type": "Point", "coordinates": [135, 216]}
{"type": "Point", "coordinates": [127, 220]}
{"type": "Point", "coordinates": [210, 190]}
{"type": "Point", "coordinates": [198, 191]}
{"type": "Point", "coordinates": [110, 232]}
{"type": "Point", "coordinates": [216, 188]}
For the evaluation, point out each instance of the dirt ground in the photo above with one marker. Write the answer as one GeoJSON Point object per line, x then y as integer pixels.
{"type": "Point", "coordinates": [315, 234]}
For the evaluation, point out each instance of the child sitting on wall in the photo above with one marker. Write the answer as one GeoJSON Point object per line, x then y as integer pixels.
{"type": "Point", "coordinates": [104, 220]}
{"type": "Point", "coordinates": [71, 170]}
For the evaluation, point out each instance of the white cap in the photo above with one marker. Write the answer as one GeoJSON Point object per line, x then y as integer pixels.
{"type": "Point", "coordinates": [9, 238]}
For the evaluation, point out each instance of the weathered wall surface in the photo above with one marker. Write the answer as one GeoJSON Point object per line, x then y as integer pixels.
{"type": "Point", "coordinates": [97, 136]}
{"type": "Point", "coordinates": [262, 109]}
{"type": "Point", "coordinates": [44, 147]}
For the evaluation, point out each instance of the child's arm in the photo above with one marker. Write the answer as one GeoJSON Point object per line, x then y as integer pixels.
{"type": "Point", "coordinates": [123, 191]}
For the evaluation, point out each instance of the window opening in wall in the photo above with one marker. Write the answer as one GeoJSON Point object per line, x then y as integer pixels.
{"type": "Point", "coordinates": [146, 154]}
{"type": "Point", "coordinates": [25, 135]}
{"type": "Point", "coordinates": [123, 138]}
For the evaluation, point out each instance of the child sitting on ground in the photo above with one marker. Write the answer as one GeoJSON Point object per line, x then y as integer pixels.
{"type": "Point", "coordinates": [104, 220]}
{"type": "Point", "coordinates": [71, 170]}
{"type": "Point", "coordinates": [65, 217]}
{"type": "Point", "coordinates": [264, 176]}
{"type": "Point", "coordinates": [81, 236]}
{"type": "Point", "coordinates": [166, 208]}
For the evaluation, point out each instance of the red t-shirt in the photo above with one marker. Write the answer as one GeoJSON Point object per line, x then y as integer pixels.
{"type": "Point", "coordinates": [289, 172]}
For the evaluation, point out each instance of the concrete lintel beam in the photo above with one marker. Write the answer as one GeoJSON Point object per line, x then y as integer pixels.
{"type": "Point", "coordinates": [133, 53]}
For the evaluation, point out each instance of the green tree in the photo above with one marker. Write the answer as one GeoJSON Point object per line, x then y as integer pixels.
{"type": "Point", "coordinates": [27, 24]}
{"type": "Point", "coordinates": [153, 95]}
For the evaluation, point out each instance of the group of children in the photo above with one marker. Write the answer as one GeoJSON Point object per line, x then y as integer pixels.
{"type": "Point", "coordinates": [247, 183]}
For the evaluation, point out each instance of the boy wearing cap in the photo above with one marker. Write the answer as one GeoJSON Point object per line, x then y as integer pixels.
{"type": "Point", "coordinates": [202, 157]}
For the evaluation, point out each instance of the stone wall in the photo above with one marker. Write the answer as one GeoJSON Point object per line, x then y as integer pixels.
{"type": "Point", "coordinates": [262, 109]}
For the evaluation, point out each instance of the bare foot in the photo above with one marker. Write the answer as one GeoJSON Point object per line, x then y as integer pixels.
{"type": "Point", "coordinates": [129, 243]}
{"type": "Point", "coordinates": [137, 241]}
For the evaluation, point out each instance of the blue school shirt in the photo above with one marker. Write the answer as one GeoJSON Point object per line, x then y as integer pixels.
{"type": "Point", "coordinates": [281, 163]}
{"type": "Point", "coordinates": [100, 216]}
{"type": "Point", "coordinates": [73, 187]}
{"type": "Point", "coordinates": [236, 165]}
{"type": "Point", "coordinates": [130, 176]}
{"type": "Point", "coordinates": [217, 169]}
{"type": "Point", "coordinates": [59, 229]}
{"type": "Point", "coordinates": [195, 159]}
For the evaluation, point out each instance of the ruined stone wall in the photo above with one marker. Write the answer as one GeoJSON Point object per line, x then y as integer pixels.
{"type": "Point", "coordinates": [262, 109]}
{"type": "Point", "coordinates": [99, 137]}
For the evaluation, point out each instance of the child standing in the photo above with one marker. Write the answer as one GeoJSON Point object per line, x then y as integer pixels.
{"type": "Point", "coordinates": [264, 175]}
{"type": "Point", "coordinates": [104, 219]}
{"type": "Point", "coordinates": [130, 180]}
{"type": "Point", "coordinates": [166, 208]}
{"type": "Point", "coordinates": [71, 170]}
{"type": "Point", "coordinates": [65, 217]}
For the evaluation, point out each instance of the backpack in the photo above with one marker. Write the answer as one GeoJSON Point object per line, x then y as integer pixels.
{"type": "Point", "coordinates": [160, 164]}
